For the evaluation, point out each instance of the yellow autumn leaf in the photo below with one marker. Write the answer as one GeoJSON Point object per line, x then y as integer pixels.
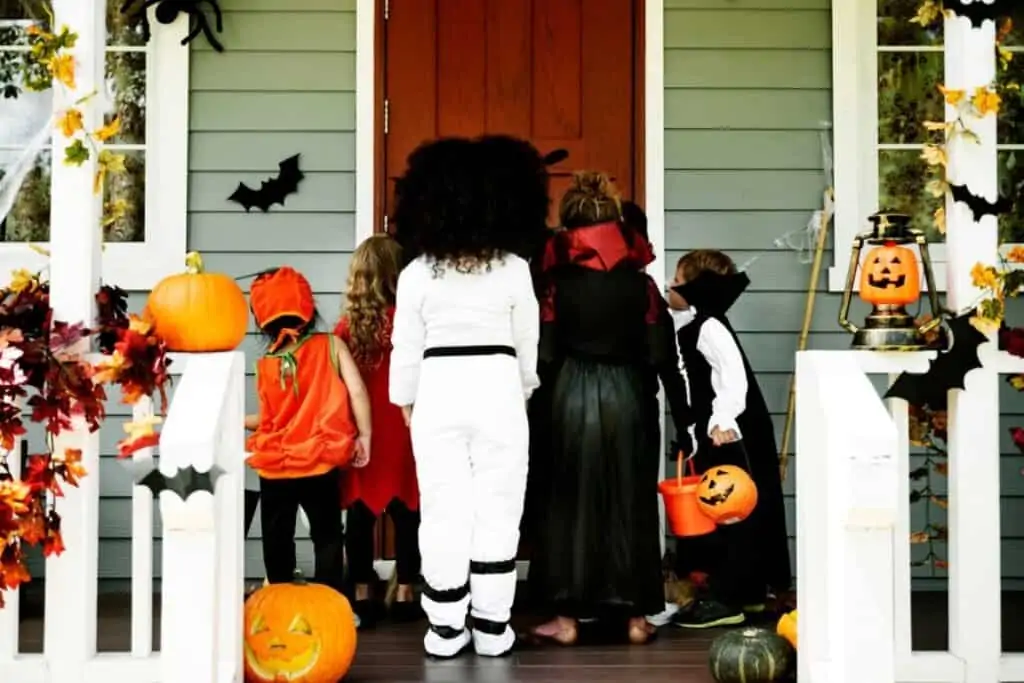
{"type": "Point", "coordinates": [22, 280]}
{"type": "Point", "coordinates": [986, 326]}
{"type": "Point", "coordinates": [984, 277]}
{"type": "Point", "coordinates": [114, 211]}
{"type": "Point", "coordinates": [934, 155]}
{"type": "Point", "coordinates": [919, 537]}
{"type": "Point", "coordinates": [108, 131]}
{"type": "Point", "coordinates": [70, 122]}
{"type": "Point", "coordinates": [936, 125]}
{"type": "Point", "coordinates": [939, 219]}
{"type": "Point", "coordinates": [952, 97]}
{"type": "Point", "coordinates": [106, 162]}
{"type": "Point", "coordinates": [1017, 382]}
{"type": "Point", "coordinates": [62, 67]}
{"type": "Point", "coordinates": [1016, 255]}
{"type": "Point", "coordinates": [985, 101]}
{"type": "Point", "coordinates": [936, 188]}
{"type": "Point", "coordinates": [39, 250]}
{"type": "Point", "coordinates": [940, 502]}
{"type": "Point", "coordinates": [927, 13]}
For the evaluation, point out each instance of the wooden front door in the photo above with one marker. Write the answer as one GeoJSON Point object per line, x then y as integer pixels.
{"type": "Point", "coordinates": [560, 73]}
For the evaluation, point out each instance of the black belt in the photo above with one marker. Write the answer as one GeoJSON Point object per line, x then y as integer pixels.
{"type": "Point", "coordinates": [486, 350]}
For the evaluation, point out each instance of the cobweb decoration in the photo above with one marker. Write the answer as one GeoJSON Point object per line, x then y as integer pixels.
{"type": "Point", "coordinates": [26, 129]}
{"type": "Point", "coordinates": [804, 240]}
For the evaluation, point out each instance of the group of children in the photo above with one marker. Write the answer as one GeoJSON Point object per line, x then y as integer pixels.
{"type": "Point", "coordinates": [416, 406]}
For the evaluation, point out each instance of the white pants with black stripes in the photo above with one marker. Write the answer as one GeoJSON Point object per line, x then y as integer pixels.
{"type": "Point", "coordinates": [470, 440]}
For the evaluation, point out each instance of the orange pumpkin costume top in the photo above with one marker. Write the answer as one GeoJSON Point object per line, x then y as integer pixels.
{"type": "Point", "coordinates": [306, 426]}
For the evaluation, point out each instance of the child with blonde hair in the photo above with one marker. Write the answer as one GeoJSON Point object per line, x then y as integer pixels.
{"type": "Point", "coordinates": [388, 482]}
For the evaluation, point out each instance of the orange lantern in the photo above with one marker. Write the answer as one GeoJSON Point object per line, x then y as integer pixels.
{"type": "Point", "coordinates": [889, 281]}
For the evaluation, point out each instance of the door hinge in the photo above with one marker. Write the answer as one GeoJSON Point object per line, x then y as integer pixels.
{"type": "Point", "coordinates": [387, 116]}
{"type": "Point", "coordinates": [385, 223]}
{"type": "Point", "coordinates": [387, 9]}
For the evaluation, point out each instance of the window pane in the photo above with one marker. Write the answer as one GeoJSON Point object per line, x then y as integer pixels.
{"type": "Point", "coordinates": [1011, 112]}
{"type": "Point", "coordinates": [29, 217]}
{"type": "Point", "coordinates": [902, 175]}
{"type": "Point", "coordinates": [126, 91]}
{"type": "Point", "coordinates": [894, 27]}
{"type": "Point", "coordinates": [15, 17]}
{"type": "Point", "coordinates": [908, 95]}
{"type": "Point", "coordinates": [1011, 184]}
{"type": "Point", "coordinates": [124, 28]}
{"type": "Point", "coordinates": [125, 195]}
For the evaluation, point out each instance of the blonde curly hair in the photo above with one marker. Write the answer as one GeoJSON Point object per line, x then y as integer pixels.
{"type": "Point", "coordinates": [369, 293]}
{"type": "Point", "coordinates": [592, 198]}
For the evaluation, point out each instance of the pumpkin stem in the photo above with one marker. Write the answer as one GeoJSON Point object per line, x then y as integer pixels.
{"type": "Point", "coordinates": [298, 579]}
{"type": "Point", "coordinates": [193, 263]}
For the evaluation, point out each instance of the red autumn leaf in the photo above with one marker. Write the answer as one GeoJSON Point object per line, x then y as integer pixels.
{"type": "Point", "coordinates": [125, 447]}
{"type": "Point", "coordinates": [1011, 339]}
{"type": "Point", "coordinates": [1018, 438]}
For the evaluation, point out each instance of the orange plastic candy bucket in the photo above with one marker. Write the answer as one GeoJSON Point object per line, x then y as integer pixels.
{"type": "Point", "coordinates": [680, 495]}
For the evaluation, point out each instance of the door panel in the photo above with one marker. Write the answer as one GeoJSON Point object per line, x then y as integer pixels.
{"type": "Point", "coordinates": [559, 73]}
{"type": "Point", "coordinates": [556, 72]}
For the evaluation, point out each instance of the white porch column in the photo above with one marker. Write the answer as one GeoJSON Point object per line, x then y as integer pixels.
{"type": "Point", "coordinates": [974, 562]}
{"type": "Point", "coordinates": [75, 242]}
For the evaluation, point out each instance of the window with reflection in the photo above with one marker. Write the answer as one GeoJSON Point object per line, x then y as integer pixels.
{"type": "Point", "coordinates": [25, 114]}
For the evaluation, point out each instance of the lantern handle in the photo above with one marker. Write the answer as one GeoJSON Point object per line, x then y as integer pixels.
{"type": "Point", "coordinates": [929, 277]}
{"type": "Point", "coordinates": [851, 274]}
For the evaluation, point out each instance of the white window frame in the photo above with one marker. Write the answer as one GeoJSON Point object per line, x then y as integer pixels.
{"type": "Point", "coordinates": [855, 126]}
{"type": "Point", "coordinates": [138, 266]}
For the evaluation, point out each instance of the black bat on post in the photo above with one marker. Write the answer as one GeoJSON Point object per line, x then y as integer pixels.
{"type": "Point", "coordinates": [979, 206]}
{"type": "Point", "coordinates": [184, 483]}
{"type": "Point", "coordinates": [946, 372]}
{"type": "Point", "coordinates": [978, 10]}
{"type": "Point", "coordinates": [273, 190]}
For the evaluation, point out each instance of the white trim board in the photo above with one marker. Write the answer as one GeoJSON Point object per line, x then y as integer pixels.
{"type": "Point", "coordinates": [654, 140]}
{"type": "Point", "coordinates": [139, 266]}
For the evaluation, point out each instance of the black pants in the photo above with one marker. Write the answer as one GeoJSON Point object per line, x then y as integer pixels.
{"type": "Point", "coordinates": [730, 554]}
{"type": "Point", "coordinates": [359, 542]}
{"type": "Point", "coordinates": [320, 498]}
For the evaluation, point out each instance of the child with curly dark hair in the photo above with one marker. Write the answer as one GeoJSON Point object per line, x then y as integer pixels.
{"type": "Point", "coordinates": [462, 368]}
{"type": "Point", "coordinates": [388, 482]}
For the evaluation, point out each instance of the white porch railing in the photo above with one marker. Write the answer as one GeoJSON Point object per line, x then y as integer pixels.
{"type": "Point", "coordinates": [202, 577]}
{"type": "Point", "coordinates": [853, 525]}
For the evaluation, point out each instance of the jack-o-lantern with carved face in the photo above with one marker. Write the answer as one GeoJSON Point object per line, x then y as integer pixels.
{"type": "Point", "coordinates": [726, 494]}
{"type": "Point", "coordinates": [889, 276]}
{"type": "Point", "coordinates": [298, 633]}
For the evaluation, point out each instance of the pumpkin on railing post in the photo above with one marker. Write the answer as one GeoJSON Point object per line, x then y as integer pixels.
{"type": "Point", "coordinates": [197, 311]}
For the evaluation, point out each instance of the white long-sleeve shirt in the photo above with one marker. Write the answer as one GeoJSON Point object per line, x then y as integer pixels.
{"type": "Point", "coordinates": [728, 375]}
{"type": "Point", "coordinates": [495, 306]}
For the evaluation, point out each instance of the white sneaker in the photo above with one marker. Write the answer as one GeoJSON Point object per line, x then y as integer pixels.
{"type": "Point", "coordinates": [665, 616]}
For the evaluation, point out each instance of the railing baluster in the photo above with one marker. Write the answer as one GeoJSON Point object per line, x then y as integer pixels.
{"type": "Point", "coordinates": [142, 550]}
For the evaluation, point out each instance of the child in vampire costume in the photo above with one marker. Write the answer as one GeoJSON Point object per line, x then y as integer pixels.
{"type": "Point", "coordinates": [314, 419]}
{"type": "Point", "coordinates": [603, 330]}
{"type": "Point", "coordinates": [463, 365]}
{"type": "Point", "coordinates": [733, 427]}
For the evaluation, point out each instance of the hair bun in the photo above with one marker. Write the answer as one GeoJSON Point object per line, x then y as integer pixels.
{"type": "Point", "coordinates": [594, 185]}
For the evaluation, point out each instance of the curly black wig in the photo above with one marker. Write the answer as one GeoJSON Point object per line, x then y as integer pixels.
{"type": "Point", "coordinates": [465, 202]}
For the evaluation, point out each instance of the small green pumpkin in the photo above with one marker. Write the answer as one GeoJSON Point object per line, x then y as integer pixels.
{"type": "Point", "coordinates": [750, 655]}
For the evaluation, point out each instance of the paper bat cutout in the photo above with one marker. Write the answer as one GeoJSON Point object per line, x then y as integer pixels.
{"type": "Point", "coordinates": [947, 371]}
{"type": "Point", "coordinates": [978, 11]}
{"type": "Point", "coordinates": [272, 191]}
{"type": "Point", "coordinates": [184, 483]}
{"type": "Point", "coordinates": [979, 206]}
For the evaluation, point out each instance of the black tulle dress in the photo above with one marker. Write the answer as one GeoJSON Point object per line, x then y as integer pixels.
{"type": "Point", "coordinates": [596, 547]}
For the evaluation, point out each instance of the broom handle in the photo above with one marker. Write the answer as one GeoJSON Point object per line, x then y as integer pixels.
{"type": "Point", "coordinates": [812, 291]}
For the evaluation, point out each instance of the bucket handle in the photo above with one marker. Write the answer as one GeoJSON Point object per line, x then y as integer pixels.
{"type": "Point", "coordinates": [680, 459]}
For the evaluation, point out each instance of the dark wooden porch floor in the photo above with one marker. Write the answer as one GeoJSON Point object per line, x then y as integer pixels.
{"type": "Point", "coordinates": [393, 654]}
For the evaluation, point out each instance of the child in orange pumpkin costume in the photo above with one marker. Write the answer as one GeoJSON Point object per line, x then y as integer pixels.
{"type": "Point", "coordinates": [309, 391]}
{"type": "Point", "coordinates": [388, 482]}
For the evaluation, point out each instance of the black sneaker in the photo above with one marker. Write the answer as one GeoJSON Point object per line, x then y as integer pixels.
{"type": "Point", "coordinates": [367, 611]}
{"type": "Point", "coordinates": [709, 614]}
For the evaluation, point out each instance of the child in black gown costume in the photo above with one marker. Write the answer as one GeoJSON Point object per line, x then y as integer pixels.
{"type": "Point", "coordinates": [604, 327]}
{"type": "Point", "coordinates": [733, 427]}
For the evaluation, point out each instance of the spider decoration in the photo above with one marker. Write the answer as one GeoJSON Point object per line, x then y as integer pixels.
{"type": "Point", "coordinates": [167, 12]}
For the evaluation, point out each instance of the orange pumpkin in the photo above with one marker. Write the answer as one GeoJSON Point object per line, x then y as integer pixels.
{"type": "Point", "coordinates": [726, 494]}
{"type": "Point", "coordinates": [787, 627]}
{"type": "Point", "coordinates": [298, 633]}
{"type": "Point", "coordinates": [889, 276]}
{"type": "Point", "coordinates": [197, 311]}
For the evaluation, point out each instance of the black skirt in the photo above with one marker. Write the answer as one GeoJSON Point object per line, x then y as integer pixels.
{"type": "Point", "coordinates": [597, 551]}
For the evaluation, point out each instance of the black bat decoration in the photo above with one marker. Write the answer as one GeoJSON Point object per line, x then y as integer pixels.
{"type": "Point", "coordinates": [184, 483]}
{"type": "Point", "coordinates": [979, 206]}
{"type": "Point", "coordinates": [167, 12]}
{"type": "Point", "coordinates": [946, 372]}
{"type": "Point", "coordinates": [978, 11]}
{"type": "Point", "coordinates": [272, 191]}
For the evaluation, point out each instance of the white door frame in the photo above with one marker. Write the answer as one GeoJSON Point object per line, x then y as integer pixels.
{"type": "Point", "coordinates": [654, 146]}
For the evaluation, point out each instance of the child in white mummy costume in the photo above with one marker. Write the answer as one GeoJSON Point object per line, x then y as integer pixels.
{"type": "Point", "coordinates": [462, 367]}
